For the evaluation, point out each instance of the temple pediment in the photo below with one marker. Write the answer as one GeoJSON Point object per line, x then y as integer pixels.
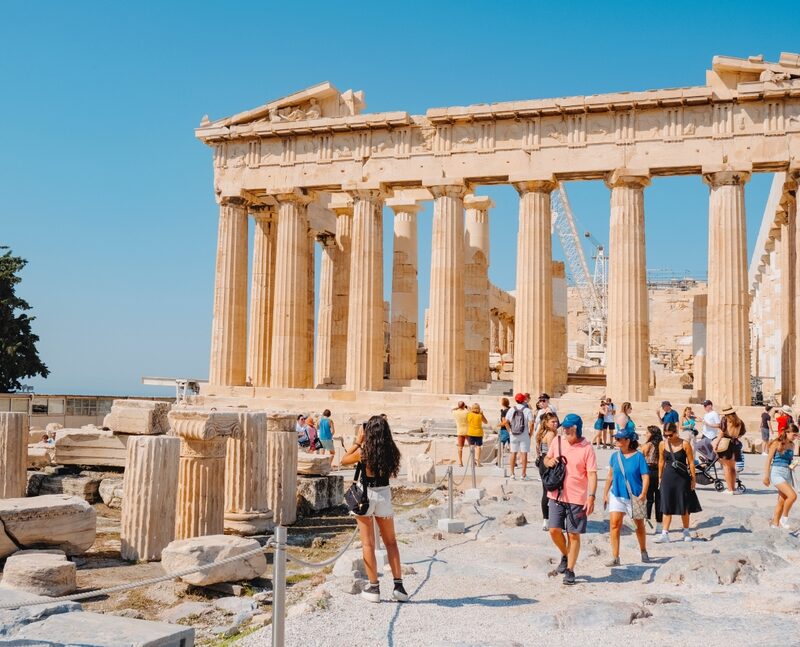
{"type": "Point", "coordinates": [320, 101]}
{"type": "Point", "coordinates": [748, 75]}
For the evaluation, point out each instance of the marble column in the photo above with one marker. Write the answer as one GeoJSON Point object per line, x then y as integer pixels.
{"type": "Point", "coordinates": [405, 292]}
{"type": "Point", "coordinates": [534, 293]}
{"type": "Point", "coordinates": [494, 332]}
{"type": "Point", "coordinates": [150, 496]}
{"type": "Point", "coordinates": [728, 358]}
{"type": "Point", "coordinates": [289, 355]}
{"type": "Point", "coordinates": [446, 369]}
{"type": "Point", "coordinates": [14, 428]}
{"type": "Point", "coordinates": [793, 177]}
{"type": "Point", "coordinates": [476, 288]}
{"type": "Point", "coordinates": [628, 336]}
{"type": "Point", "coordinates": [201, 476]}
{"type": "Point", "coordinates": [246, 509]}
{"type": "Point", "coordinates": [311, 284]}
{"type": "Point", "coordinates": [262, 288]}
{"type": "Point", "coordinates": [502, 331]}
{"type": "Point", "coordinates": [341, 292]}
{"type": "Point", "coordinates": [787, 255]}
{"type": "Point", "coordinates": [365, 311]}
{"type": "Point", "coordinates": [327, 277]}
{"type": "Point", "coordinates": [229, 325]}
{"type": "Point", "coordinates": [282, 469]}
{"type": "Point", "coordinates": [558, 346]}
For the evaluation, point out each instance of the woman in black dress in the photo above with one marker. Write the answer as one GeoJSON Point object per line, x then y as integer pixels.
{"type": "Point", "coordinates": [651, 450]}
{"type": "Point", "coordinates": [677, 478]}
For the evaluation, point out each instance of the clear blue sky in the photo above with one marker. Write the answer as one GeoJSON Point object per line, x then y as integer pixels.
{"type": "Point", "coordinates": [109, 196]}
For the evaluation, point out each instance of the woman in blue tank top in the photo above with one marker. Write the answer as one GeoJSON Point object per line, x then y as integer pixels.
{"type": "Point", "coordinates": [778, 471]}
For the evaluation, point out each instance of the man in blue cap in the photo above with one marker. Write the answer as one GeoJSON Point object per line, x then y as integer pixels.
{"type": "Point", "coordinates": [571, 505]}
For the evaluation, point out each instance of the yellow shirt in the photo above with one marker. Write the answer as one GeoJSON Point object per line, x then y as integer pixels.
{"type": "Point", "coordinates": [460, 416]}
{"type": "Point", "coordinates": [474, 424]}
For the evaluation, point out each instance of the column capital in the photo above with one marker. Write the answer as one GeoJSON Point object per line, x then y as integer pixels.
{"type": "Point", "coordinates": [446, 187]}
{"type": "Point", "coordinates": [231, 201]}
{"type": "Point", "coordinates": [628, 177]}
{"type": "Point", "coordinates": [480, 202]}
{"type": "Point", "coordinates": [403, 205]}
{"type": "Point", "coordinates": [543, 184]}
{"type": "Point", "coordinates": [716, 176]}
{"type": "Point", "coordinates": [326, 238]}
{"type": "Point", "coordinates": [295, 195]}
{"type": "Point", "coordinates": [262, 212]}
{"type": "Point", "coordinates": [367, 195]}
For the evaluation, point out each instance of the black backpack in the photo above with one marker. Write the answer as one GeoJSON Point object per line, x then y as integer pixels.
{"type": "Point", "coordinates": [553, 477]}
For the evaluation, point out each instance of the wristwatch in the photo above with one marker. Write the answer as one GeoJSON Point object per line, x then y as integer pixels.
{"type": "Point", "coordinates": [593, 495]}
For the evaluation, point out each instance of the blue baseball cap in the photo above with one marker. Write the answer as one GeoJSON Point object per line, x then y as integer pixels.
{"type": "Point", "coordinates": [573, 420]}
{"type": "Point", "coordinates": [627, 432]}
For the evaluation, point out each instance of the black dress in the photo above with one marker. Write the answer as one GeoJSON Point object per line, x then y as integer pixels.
{"type": "Point", "coordinates": [677, 496]}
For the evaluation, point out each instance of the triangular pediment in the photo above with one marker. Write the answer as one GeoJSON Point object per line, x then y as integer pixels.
{"type": "Point", "coordinates": [319, 101]}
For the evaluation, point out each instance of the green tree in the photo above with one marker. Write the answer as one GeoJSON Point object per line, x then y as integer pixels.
{"type": "Point", "coordinates": [18, 355]}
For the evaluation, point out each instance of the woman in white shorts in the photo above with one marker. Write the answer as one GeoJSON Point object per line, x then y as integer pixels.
{"type": "Point", "coordinates": [778, 471]}
{"type": "Point", "coordinates": [378, 455]}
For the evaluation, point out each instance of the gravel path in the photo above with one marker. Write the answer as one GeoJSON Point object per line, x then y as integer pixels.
{"type": "Point", "coordinates": [735, 583]}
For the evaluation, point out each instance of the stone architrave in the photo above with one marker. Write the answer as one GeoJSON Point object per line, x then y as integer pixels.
{"type": "Point", "coordinates": [282, 469]}
{"type": "Point", "coordinates": [289, 354]}
{"type": "Point", "coordinates": [150, 490]}
{"type": "Point", "coordinates": [728, 357]}
{"type": "Point", "coordinates": [246, 509]}
{"type": "Point", "coordinates": [327, 271]}
{"type": "Point", "coordinates": [140, 417]}
{"type": "Point", "coordinates": [446, 369]}
{"type": "Point", "coordinates": [476, 288]}
{"type": "Point", "coordinates": [13, 454]}
{"type": "Point", "coordinates": [534, 293]}
{"type": "Point", "coordinates": [201, 478]}
{"type": "Point", "coordinates": [262, 288]}
{"type": "Point", "coordinates": [341, 290]}
{"type": "Point", "coordinates": [628, 336]}
{"type": "Point", "coordinates": [405, 289]}
{"type": "Point", "coordinates": [229, 326]}
{"type": "Point", "coordinates": [365, 311]}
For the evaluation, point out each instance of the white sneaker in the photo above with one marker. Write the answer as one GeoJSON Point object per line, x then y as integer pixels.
{"type": "Point", "coordinates": [659, 529]}
{"type": "Point", "coordinates": [513, 477]}
{"type": "Point", "coordinates": [545, 525]}
{"type": "Point", "coordinates": [663, 538]}
{"type": "Point", "coordinates": [526, 478]}
{"type": "Point", "coordinates": [729, 492]}
{"type": "Point", "coordinates": [785, 523]}
{"type": "Point", "coordinates": [372, 593]}
{"type": "Point", "coordinates": [686, 536]}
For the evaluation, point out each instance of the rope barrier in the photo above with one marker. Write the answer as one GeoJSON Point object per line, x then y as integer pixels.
{"type": "Point", "coordinates": [427, 495]}
{"type": "Point", "coordinates": [328, 561]}
{"type": "Point", "coordinates": [466, 470]}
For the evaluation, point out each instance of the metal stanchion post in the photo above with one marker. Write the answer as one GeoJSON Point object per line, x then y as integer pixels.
{"type": "Point", "coordinates": [279, 587]}
{"type": "Point", "coordinates": [474, 494]}
{"type": "Point", "coordinates": [450, 525]}
{"type": "Point", "coordinates": [472, 466]}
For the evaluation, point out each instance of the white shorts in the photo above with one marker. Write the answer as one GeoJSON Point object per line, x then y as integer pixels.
{"type": "Point", "coordinates": [380, 502]}
{"type": "Point", "coordinates": [616, 504]}
{"type": "Point", "coordinates": [520, 443]}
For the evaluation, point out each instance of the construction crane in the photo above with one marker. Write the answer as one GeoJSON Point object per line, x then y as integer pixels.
{"type": "Point", "coordinates": [592, 289]}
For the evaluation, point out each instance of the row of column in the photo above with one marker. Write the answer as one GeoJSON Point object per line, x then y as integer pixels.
{"type": "Point", "coordinates": [501, 333]}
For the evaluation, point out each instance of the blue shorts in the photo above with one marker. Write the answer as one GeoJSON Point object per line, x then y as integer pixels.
{"type": "Point", "coordinates": [327, 443]}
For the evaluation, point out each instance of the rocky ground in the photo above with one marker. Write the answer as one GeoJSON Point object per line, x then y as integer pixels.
{"type": "Point", "coordinates": [736, 583]}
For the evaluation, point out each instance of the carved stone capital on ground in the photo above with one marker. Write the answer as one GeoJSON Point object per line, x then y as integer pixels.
{"type": "Point", "coordinates": [716, 177]}
{"type": "Point", "coordinates": [203, 425]}
{"type": "Point", "coordinates": [628, 177]}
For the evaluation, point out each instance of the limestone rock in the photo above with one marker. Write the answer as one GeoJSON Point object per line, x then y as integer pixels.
{"type": "Point", "coordinates": [34, 483]}
{"type": "Point", "coordinates": [40, 456]}
{"type": "Point", "coordinates": [7, 547]}
{"type": "Point", "coordinates": [90, 446]}
{"type": "Point", "coordinates": [185, 610]}
{"type": "Point", "coordinates": [55, 520]}
{"type": "Point", "coordinates": [99, 630]}
{"type": "Point", "coordinates": [81, 485]}
{"type": "Point", "coordinates": [200, 551]}
{"type": "Point", "coordinates": [352, 561]}
{"type": "Point", "coordinates": [12, 620]}
{"type": "Point", "coordinates": [313, 464]}
{"type": "Point", "coordinates": [319, 493]}
{"type": "Point", "coordinates": [141, 417]}
{"type": "Point", "coordinates": [53, 427]}
{"type": "Point", "coordinates": [421, 469]}
{"type": "Point", "coordinates": [514, 519]}
{"type": "Point", "coordinates": [110, 492]}
{"type": "Point", "coordinates": [41, 572]}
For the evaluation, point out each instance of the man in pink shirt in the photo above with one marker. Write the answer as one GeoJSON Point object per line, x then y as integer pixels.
{"type": "Point", "coordinates": [571, 506]}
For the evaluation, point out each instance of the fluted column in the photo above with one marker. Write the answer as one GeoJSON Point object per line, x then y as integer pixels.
{"type": "Point", "coordinates": [341, 293]}
{"type": "Point", "coordinates": [405, 292]}
{"type": "Point", "coordinates": [229, 325]}
{"type": "Point", "coordinates": [327, 277]}
{"type": "Point", "coordinates": [201, 476]}
{"type": "Point", "coordinates": [534, 294]}
{"type": "Point", "coordinates": [246, 508]}
{"type": "Point", "coordinates": [150, 490]}
{"type": "Point", "coordinates": [365, 329]}
{"type": "Point", "coordinates": [282, 468]}
{"type": "Point", "coordinates": [476, 288]}
{"type": "Point", "coordinates": [791, 207]}
{"type": "Point", "coordinates": [494, 332]}
{"type": "Point", "coordinates": [262, 288]}
{"type": "Point", "coordinates": [446, 369]}
{"type": "Point", "coordinates": [728, 359]}
{"type": "Point", "coordinates": [289, 354]}
{"type": "Point", "coordinates": [311, 284]}
{"type": "Point", "coordinates": [628, 351]}
{"type": "Point", "coordinates": [558, 343]}
{"type": "Point", "coordinates": [14, 429]}
{"type": "Point", "coordinates": [502, 332]}
{"type": "Point", "coordinates": [786, 262]}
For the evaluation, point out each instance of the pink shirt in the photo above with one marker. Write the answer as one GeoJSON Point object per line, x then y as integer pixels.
{"type": "Point", "coordinates": [580, 461]}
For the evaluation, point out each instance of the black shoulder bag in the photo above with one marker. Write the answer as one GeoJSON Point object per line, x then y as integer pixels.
{"type": "Point", "coordinates": [553, 477]}
{"type": "Point", "coordinates": [356, 496]}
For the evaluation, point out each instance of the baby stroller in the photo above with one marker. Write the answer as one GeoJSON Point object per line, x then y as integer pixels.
{"type": "Point", "coordinates": [706, 471]}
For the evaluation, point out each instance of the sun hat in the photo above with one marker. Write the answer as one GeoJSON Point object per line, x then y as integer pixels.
{"type": "Point", "coordinates": [787, 409]}
{"type": "Point", "coordinates": [626, 432]}
{"type": "Point", "coordinates": [519, 398]}
{"type": "Point", "coordinates": [728, 410]}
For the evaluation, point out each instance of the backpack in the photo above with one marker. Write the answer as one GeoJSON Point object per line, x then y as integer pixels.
{"type": "Point", "coordinates": [553, 477]}
{"type": "Point", "coordinates": [518, 422]}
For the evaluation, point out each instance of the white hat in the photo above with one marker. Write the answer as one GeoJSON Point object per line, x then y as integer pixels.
{"type": "Point", "coordinates": [787, 409]}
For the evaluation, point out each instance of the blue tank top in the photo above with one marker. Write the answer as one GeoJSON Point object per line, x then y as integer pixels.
{"type": "Point", "coordinates": [783, 459]}
{"type": "Point", "coordinates": [325, 429]}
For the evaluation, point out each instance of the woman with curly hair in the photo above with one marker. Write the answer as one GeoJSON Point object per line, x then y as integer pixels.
{"type": "Point", "coordinates": [548, 430]}
{"type": "Point", "coordinates": [379, 457]}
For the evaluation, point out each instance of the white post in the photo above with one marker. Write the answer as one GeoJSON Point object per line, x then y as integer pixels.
{"type": "Point", "coordinates": [279, 588]}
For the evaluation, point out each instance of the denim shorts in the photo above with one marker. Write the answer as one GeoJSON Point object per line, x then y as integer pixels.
{"type": "Point", "coordinates": [567, 516]}
{"type": "Point", "coordinates": [781, 474]}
